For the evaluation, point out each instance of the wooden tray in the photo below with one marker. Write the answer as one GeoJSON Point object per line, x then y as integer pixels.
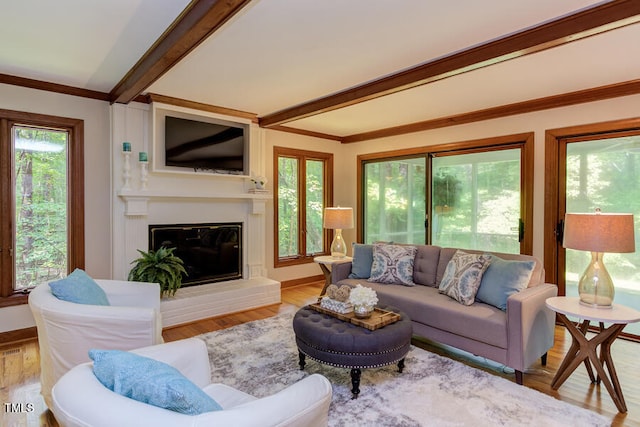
{"type": "Point", "coordinates": [378, 319]}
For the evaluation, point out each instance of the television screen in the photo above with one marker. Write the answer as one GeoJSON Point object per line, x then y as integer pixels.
{"type": "Point", "coordinates": [215, 147]}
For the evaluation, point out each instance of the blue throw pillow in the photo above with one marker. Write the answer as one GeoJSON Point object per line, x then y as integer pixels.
{"type": "Point", "coordinates": [150, 381]}
{"type": "Point", "coordinates": [362, 260]}
{"type": "Point", "coordinates": [78, 287]}
{"type": "Point", "coordinates": [502, 279]}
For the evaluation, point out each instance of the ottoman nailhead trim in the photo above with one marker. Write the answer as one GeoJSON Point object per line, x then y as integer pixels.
{"type": "Point", "coordinates": [336, 365]}
{"type": "Point", "coordinates": [354, 354]}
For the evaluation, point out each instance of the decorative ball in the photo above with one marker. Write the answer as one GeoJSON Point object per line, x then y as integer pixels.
{"type": "Point", "coordinates": [332, 291]}
{"type": "Point", "coordinates": [342, 293]}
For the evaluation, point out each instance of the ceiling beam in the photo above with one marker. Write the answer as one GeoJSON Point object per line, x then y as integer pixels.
{"type": "Point", "coordinates": [179, 102]}
{"type": "Point", "coordinates": [600, 93]}
{"type": "Point", "coordinates": [588, 22]}
{"type": "Point", "coordinates": [194, 25]}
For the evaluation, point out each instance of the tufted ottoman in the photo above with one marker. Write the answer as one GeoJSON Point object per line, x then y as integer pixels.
{"type": "Point", "coordinates": [334, 342]}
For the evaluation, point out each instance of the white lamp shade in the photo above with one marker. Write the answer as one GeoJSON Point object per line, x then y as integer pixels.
{"type": "Point", "coordinates": [338, 218]}
{"type": "Point", "coordinates": [599, 232]}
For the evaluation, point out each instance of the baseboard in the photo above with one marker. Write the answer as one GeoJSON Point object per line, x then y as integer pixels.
{"type": "Point", "coordinates": [19, 335]}
{"type": "Point", "coordinates": [301, 281]}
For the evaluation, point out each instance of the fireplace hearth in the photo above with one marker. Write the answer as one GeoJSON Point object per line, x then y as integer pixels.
{"type": "Point", "coordinates": [211, 252]}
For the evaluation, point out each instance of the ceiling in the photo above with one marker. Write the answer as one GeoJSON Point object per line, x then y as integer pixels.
{"type": "Point", "coordinates": [342, 69]}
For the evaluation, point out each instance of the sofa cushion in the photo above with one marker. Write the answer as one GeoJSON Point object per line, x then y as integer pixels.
{"type": "Point", "coordinates": [502, 279]}
{"type": "Point", "coordinates": [393, 264]}
{"type": "Point", "coordinates": [79, 288]}
{"type": "Point", "coordinates": [462, 276]}
{"type": "Point", "coordinates": [150, 381]}
{"type": "Point", "coordinates": [362, 260]}
{"type": "Point", "coordinates": [425, 305]}
{"type": "Point", "coordinates": [425, 265]}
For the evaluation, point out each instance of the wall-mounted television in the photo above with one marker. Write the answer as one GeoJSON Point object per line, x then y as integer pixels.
{"type": "Point", "coordinates": [217, 146]}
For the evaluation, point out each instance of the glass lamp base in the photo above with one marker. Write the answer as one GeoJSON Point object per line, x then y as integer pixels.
{"type": "Point", "coordinates": [596, 287]}
{"type": "Point", "coordinates": [338, 246]}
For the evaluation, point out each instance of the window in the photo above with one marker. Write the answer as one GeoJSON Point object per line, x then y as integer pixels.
{"type": "Point", "coordinates": [476, 200]}
{"type": "Point", "coordinates": [303, 189]}
{"type": "Point", "coordinates": [395, 200]}
{"type": "Point", "coordinates": [589, 167]}
{"type": "Point", "coordinates": [41, 201]}
{"type": "Point", "coordinates": [474, 195]}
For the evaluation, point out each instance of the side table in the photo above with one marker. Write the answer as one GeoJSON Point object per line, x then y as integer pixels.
{"type": "Point", "coordinates": [584, 350]}
{"type": "Point", "coordinates": [326, 262]}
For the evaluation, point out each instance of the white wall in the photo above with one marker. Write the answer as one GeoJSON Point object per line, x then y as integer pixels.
{"type": "Point", "coordinates": [97, 177]}
{"type": "Point", "coordinates": [179, 197]}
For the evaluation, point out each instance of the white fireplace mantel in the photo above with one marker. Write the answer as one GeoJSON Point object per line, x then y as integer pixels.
{"type": "Point", "coordinates": [136, 201]}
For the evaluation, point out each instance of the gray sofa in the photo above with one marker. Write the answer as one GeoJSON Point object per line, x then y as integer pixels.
{"type": "Point", "coordinates": [515, 337]}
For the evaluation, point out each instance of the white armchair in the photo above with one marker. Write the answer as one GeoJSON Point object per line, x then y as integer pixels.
{"type": "Point", "coordinates": [67, 331]}
{"type": "Point", "coordinates": [79, 399]}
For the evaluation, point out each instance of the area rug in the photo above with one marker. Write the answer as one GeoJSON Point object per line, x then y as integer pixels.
{"type": "Point", "coordinates": [261, 358]}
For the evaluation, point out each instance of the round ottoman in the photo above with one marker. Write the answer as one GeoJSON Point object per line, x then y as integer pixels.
{"type": "Point", "coordinates": [334, 342]}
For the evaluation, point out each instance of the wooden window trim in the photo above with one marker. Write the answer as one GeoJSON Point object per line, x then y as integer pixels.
{"type": "Point", "coordinates": [523, 140]}
{"type": "Point", "coordinates": [75, 184]}
{"type": "Point", "coordinates": [302, 156]}
{"type": "Point", "coordinates": [551, 185]}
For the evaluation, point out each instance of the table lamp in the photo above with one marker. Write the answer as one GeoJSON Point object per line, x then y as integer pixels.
{"type": "Point", "coordinates": [598, 233]}
{"type": "Point", "coordinates": [338, 219]}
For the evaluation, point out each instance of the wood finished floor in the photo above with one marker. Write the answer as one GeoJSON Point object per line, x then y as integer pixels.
{"type": "Point", "coordinates": [19, 367]}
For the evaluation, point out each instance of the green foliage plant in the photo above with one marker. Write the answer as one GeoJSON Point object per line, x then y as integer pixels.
{"type": "Point", "coordinates": [160, 266]}
{"type": "Point", "coordinates": [446, 190]}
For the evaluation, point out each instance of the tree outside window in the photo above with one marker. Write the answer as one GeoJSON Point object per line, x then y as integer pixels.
{"type": "Point", "coordinates": [303, 189]}
{"type": "Point", "coordinates": [41, 201]}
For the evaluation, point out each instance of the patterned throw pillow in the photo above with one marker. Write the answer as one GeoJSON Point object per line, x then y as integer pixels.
{"type": "Point", "coordinates": [463, 275]}
{"type": "Point", "coordinates": [393, 264]}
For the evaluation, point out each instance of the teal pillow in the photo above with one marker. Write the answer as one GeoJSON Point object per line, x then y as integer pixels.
{"type": "Point", "coordinates": [78, 287]}
{"type": "Point", "coordinates": [150, 381]}
{"type": "Point", "coordinates": [362, 260]}
{"type": "Point", "coordinates": [502, 279]}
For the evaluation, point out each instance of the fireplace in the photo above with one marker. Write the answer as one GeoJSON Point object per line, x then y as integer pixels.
{"type": "Point", "coordinates": [211, 252]}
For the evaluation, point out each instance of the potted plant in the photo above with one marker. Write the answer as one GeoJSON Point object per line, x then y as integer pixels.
{"type": "Point", "coordinates": [446, 192]}
{"type": "Point", "coordinates": [160, 266]}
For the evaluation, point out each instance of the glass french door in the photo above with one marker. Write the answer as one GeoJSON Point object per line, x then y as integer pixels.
{"type": "Point", "coordinates": [602, 171]}
{"type": "Point", "coordinates": [394, 200]}
{"type": "Point", "coordinates": [466, 199]}
{"type": "Point", "coordinates": [476, 200]}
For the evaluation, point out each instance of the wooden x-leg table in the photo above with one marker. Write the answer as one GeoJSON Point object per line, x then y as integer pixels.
{"type": "Point", "coordinates": [326, 262]}
{"type": "Point", "coordinates": [584, 350]}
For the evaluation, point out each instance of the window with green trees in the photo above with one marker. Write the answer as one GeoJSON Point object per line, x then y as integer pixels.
{"type": "Point", "coordinates": [303, 189]}
{"type": "Point", "coordinates": [476, 200]}
{"type": "Point", "coordinates": [40, 168]}
{"type": "Point", "coordinates": [41, 201]}
{"type": "Point", "coordinates": [394, 204]}
{"type": "Point", "coordinates": [464, 195]}
{"type": "Point", "coordinates": [605, 173]}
